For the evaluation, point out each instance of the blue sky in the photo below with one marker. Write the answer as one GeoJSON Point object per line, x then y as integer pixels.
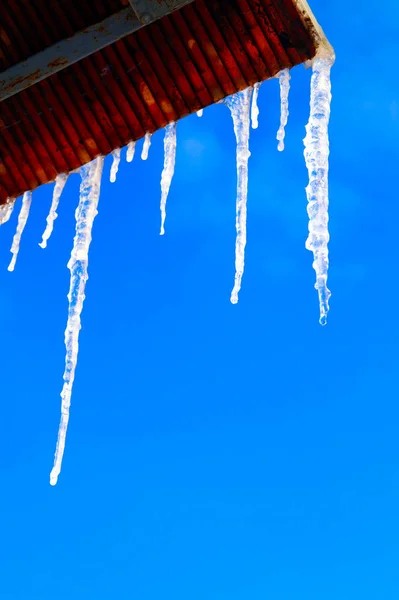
{"type": "Point", "coordinates": [216, 452]}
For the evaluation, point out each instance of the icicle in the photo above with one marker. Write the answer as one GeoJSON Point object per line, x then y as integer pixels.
{"type": "Point", "coordinates": [284, 78]}
{"type": "Point", "coordinates": [6, 210]}
{"type": "Point", "coordinates": [168, 168]}
{"type": "Point", "coordinates": [130, 151]}
{"type": "Point", "coordinates": [116, 159]}
{"type": "Point", "coordinates": [85, 215]}
{"type": "Point", "coordinates": [240, 105]}
{"type": "Point", "coordinates": [60, 182]}
{"type": "Point", "coordinates": [254, 107]}
{"type": "Point", "coordinates": [146, 146]}
{"type": "Point", "coordinates": [22, 219]}
{"type": "Point", "coordinates": [200, 112]}
{"type": "Point", "coordinates": [316, 157]}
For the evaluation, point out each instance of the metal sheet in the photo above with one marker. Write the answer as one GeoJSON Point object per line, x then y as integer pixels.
{"type": "Point", "coordinates": [163, 72]}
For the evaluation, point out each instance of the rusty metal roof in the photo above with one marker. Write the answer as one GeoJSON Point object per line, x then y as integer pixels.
{"type": "Point", "coordinates": [177, 65]}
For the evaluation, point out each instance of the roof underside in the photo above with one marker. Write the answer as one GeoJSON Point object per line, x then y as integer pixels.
{"type": "Point", "coordinates": [184, 62]}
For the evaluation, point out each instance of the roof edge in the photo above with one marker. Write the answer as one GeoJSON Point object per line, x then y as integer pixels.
{"type": "Point", "coordinates": [323, 46]}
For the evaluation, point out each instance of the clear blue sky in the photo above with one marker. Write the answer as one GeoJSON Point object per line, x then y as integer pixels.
{"type": "Point", "coordinates": [216, 452]}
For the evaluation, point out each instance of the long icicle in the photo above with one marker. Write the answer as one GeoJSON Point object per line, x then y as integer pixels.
{"type": "Point", "coordinates": [116, 159]}
{"type": "Point", "coordinates": [6, 210]}
{"type": "Point", "coordinates": [22, 219]}
{"type": "Point", "coordinates": [60, 182]}
{"type": "Point", "coordinates": [240, 105]}
{"type": "Point", "coordinates": [254, 107]}
{"type": "Point", "coordinates": [131, 148]}
{"type": "Point", "coordinates": [284, 79]}
{"type": "Point", "coordinates": [78, 263]}
{"type": "Point", "coordinates": [168, 168]}
{"type": "Point", "coordinates": [146, 146]}
{"type": "Point", "coordinates": [316, 158]}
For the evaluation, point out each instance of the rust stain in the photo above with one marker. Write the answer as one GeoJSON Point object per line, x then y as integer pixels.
{"type": "Point", "coordinates": [58, 62]}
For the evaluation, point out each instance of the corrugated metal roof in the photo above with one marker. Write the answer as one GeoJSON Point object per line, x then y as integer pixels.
{"type": "Point", "coordinates": [161, 73]}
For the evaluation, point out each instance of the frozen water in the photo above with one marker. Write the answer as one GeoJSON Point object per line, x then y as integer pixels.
{"type": "Point", "coordinates": [240, 105]}
{"type": "Point", "coordinates": [284, 79]}
{"type": "Point", "coordinates": [168, 169]}
{"type": "Point", "coordinates": [60, 182]}
{"type": "Point", "coordinates": [6, 210]}
{"type": "Point", "coordinates": [316, 157]}
{"type": "Point", "coordinates": [22, 219]}
{"type": "Point", "coordinates": [254, 107]}
{"type": "Point", "coordinates": [131, 148]}
{"type": "Point", "coordinates": [116, 159]}
{"type": "Point", "coordinates": [146, 146]}
{"type": "Point", "coordinates": [78, 263]}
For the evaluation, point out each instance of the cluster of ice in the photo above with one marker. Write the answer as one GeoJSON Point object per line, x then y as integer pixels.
{"type": "Point", "coordinates": [242, 112]}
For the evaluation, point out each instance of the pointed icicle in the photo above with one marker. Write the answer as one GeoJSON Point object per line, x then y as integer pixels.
{"type": "Point", "coordinates": [254, 107]}
{"type": "Point", "coordinates": [146, 146]}
{"type": "Point", "coordinates": [22, 219]}
{"type": "Point", "coordinates": [168, 168]}
{"type": "Point", "coordinates": [284, 79]}
{"type": "Point", "coordinates": [316, 157]}
{"type": "Point", "coordinates": [240, 106]}
{"type": "Point", "coordinates": [60, 182]}
{"type": "Point", "coordinates": [131, 148]}
{"type": "Point", "coordinates": [6, 210]}
{"type": "Point", "coordinates": [200, 112]}
{"type": "Point", "coordinates": [78, 263]}
{"type": "Point", "coordinates": [116, 159]}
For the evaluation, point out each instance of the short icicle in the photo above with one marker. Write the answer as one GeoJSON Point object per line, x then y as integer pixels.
{"type": "Point", "coordinates": [22, 219]}
{"type": "Point", "coordinates": [116, 159]}
{"type": "Point", "coordinates": [6, 210]}
{"type": "Point", "coordinates": [168, 169]}
{"type": "Point", "coordinates": [316, 158]}
{"type": "Point", "coordinates": [240, 106]}
{"type": "Point", "coordinates": [78, 263]}
{"type": "Point", "coordinates": [284, 79]}
{"type": "Point", "coordinates": [60, 182]}
{"type": "Point", "coordinates": [200, 112]}
{"type": "Point", "coordinates": [254, 107]}
{"type": "Point", "coordinates": [131, 148]}
{"type": "Point", "coordinates": [146, 146]}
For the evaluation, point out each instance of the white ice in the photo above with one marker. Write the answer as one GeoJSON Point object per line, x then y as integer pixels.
{"type": "Point", "coordinates": [78, 263]}
{"type": "Point", "coordinates": [254, 107]}
{"type": "Point", "coordinates": [168, 168]}
{"type": "Point", "coordinates": [60, 182]}
{"type": "Point", "coordinates": [200, 112]}
{"type": "Point", "coordinates": [22, 219]}
{"type": "Point", "coordinates": [284, 79]}
{"type": "Point", "coordinates": [316, 157]}
{"type": "Point", "coordinates": [131, 148]}
{"type": "Point", "coordinates": [240, 106]}
{"type": "Point", "coordinates": [6, 210]}
{"type": "Point", "coordinates": [116, 159]}
{"type": "Point", "coordinates": [146, 146]}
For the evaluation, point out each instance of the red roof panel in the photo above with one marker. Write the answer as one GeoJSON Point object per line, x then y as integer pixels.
{"type": "Point", "coordinates": [163, 72]}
